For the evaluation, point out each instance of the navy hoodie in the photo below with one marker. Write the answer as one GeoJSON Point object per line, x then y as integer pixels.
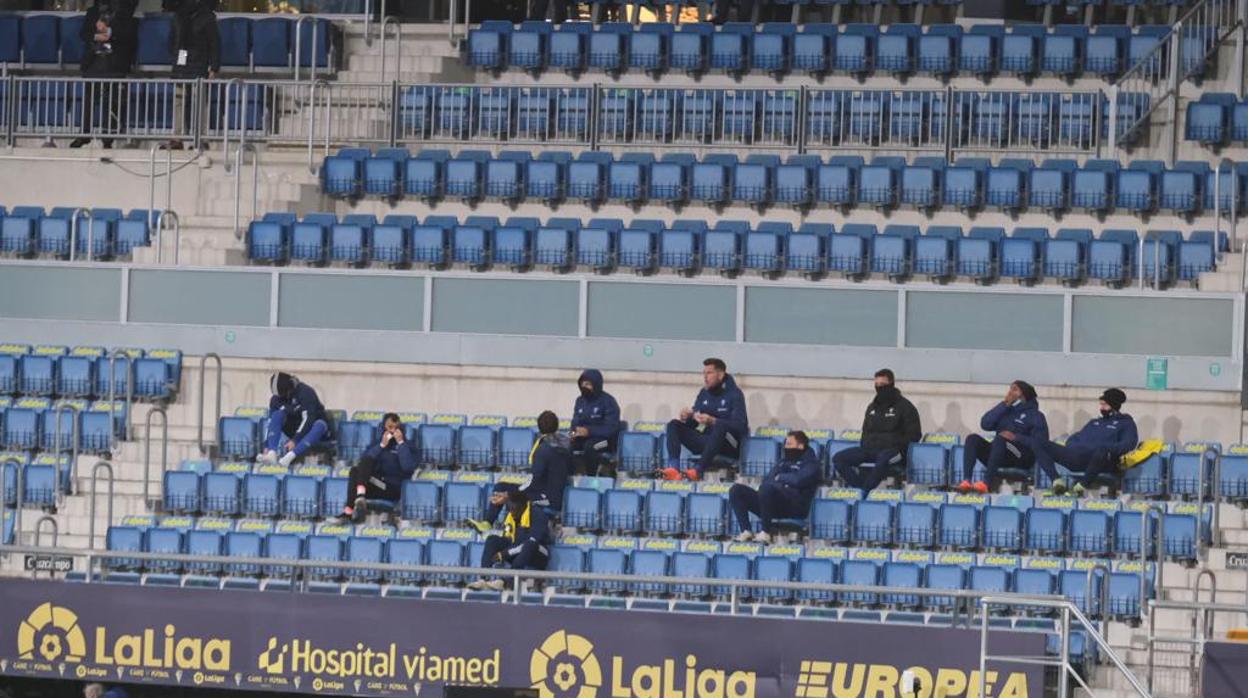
{"type": "Point", "coordinates": [394, 463]}
{"type": "Point", "coordinates": [300, 403]}
{"type": "Point", "coordinates": [550, 463]}
{"type": "Point", "coordinates": [538, 529]}
{"type": "Point", "coordinates": [1024, 419]}
{"type": "Point", "coordinates": [727, 405]}
{"type": "Point", "coordinates": [1116, 432]}
{"type": "Point", "coordinates": [598, 412]}
{"type": "Point", "coordinates": [800, 478]}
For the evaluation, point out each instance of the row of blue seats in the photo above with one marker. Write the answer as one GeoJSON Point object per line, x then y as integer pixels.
{"type": "Point", "coordinates": [1025, 50]}
{"type": "Point", "coordinates": [815, 117]}
{"type": "Point", "coordinates": [760, 181]}
{"type": "Point", "coordinates": [27, 231]}
{"type": "Point", "coordinates": [34, 40]}
{"type": "Point", "coordinates": [46, 106]}
{"type": "Point", "coordinates": [898, 252]}
{"type": "Point", "coordinates": [88, 372]}
{"type": "Point", "coordinates": [30, 423]}
{"type": "Point", "coordinates": [833, 566]}
{"type": "Point", "coordinates": [1217, 119]}
{"type": "Point", "coordinates": [44, 477]}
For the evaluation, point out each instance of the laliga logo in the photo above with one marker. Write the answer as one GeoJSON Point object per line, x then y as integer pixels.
{"type": "Point", "coordinates": [51, 633]}
{"type": "Point", "coordinates": [561, 663]}
{"type": "Point", "coordinates": [270, 664]}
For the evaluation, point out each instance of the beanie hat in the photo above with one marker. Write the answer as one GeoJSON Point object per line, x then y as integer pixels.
{"type": "Point", "coordinates": [1114, 398]}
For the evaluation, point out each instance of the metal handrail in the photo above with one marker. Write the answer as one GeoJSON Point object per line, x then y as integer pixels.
{"type": "Point", "coordinates": [203, 365]}
{"type": "Point", "coordinates": [238, 187]}
{"type": "Point", "coordinates": [322, 85]}
{"type": "Point", "coordinates": [398, 47]}
{"type": "Point", "coordinates": [242, 115]}
{"type": "Point", "coordinates": [73, 233]}
{"type": "Point", "coordinates": [161, 218]}
{"type": "Point", "coordinates": [112, 395]}
{"type": "Point", "coordinates": [1068, 611]}
{"type": "Point", "coordinates": [147, 449]}
{"type": "Point", "coordinates": [1216, 459]}
{"type": "Point", "coordinates": [298, 47]}
{"type": "Point", "coordinates": [95, 474]}
{"type": "Point", "coordinates": [56, 445]}
{"type": "Point", "coordinates": [153, 213]}
{"type": "Point", "coordinates": [56, 530]}
{"type": "Point", "coordinates": [1099, 571]}
{"type": "Point", "coordinates": [19, 495]}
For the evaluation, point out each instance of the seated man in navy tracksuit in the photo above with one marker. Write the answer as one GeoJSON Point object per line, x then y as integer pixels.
{"type": "Point", "coordinates": [595, 427]}
{"type": "Point", "coordinates": [1095, 449]}
{"type": "Point", "coordinates": [890, 425]}
{"type": "Point", "coordinates": [381, 470]}
{"type": "Point", "coordinates": [1020, 427]}
{"type": "Point", "coordinates": [786, 491]}
{"type": "Point", "coordinates": [716, 424]}
{"type": "Point", "coordinates": [550, 462]}
{"type": "Point", "coordinates": [295, 414]}
{"type": "Point", "coordinates": [524, 545]}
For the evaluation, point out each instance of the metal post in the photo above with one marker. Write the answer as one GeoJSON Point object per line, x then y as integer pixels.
{"type": "Point", "coordinates": [299, 43]}
{"type": "Point", "coordinates": [1143, 562]}
{"type": "Point", "coordinates": [112, 393]}
{"type": "Point", "coordinates": [19, 496]}
{"type": "Point", "coordinates": [73, 229]}
{"type": "Point", "coordinates": [147, 448]}
{"type": "Point", "coordinates": [1176, 58]}
{"type": "Point", "coordinates": [95, 472]}
{"type": "Point", "coordinates": [203, 364]}
{"type": "Point", "coordinates": [368, 23]}
{"type": "Point", "coordinates": [56, 446]}
{"type": "Point", "coordinates": [1161, 558]}
{"type": "Point", "coordinates": [176, 224]}
{"type": "Point", "coordinates": [1113, 120]}
{"type": "Point", "coordinates": [983, 647]}
{"type": "Point", "coordinates": [1139, 263]}
{"type": "Point", "coordinates": [1242, 35]}
{"type": "Point", "coordinates": [1063, 684]}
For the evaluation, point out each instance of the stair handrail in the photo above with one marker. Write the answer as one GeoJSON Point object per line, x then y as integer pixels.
{"type": "Point", "coordinates": [203, 365]}
{"type": "Point", "coordinates": [95, 475]}
{"type": "Point", "coordinates": [76, 430]}
{"type": "Point", "coordinates": [147, 449]}
{"type": "Point", "coordinates": [238, 186]}
{"type": "Point", "coordinates": [73, 232]}
{"type": "Point", "coordinates": [19, 497]}
{"type": "Point", "coordinates": [126, 432]}
{"type": "Point", "coordinates": [398, 47]}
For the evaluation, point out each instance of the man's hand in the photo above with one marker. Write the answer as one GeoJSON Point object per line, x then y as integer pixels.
{"type": "Point", "coordinates": [580, 432]}
{"type": "Point", "coordinates": [1007, 435]}
{"type": "Point", "coordinates": [398, 437]}
{"type": "Point", "coordinates": [685, 414]}
{"type": "Point", "coordinates": [290, 445]}
{"type": "Point", "coordinates": [386, 437]}
{"type": "Point", "coordinates": [704, 419]}
{"type": "Point", "coordinates": [212, 75]}
{"type": "Point", "coordinates": [497, 498]}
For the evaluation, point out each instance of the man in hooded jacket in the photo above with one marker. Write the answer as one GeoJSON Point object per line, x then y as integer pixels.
{"type": "Point", "coordinates": [595, 426]}
{"type": "Point", "coordinates": [1095, 449]}
{"type": "Point", "coordinates": [195, 52]}
{"type": "Point", "coordinates": [295, 414]}
{"type": "Point", "coordinates": [109, 35]}
{"type": "Point", "coordinates": [381, 471]}
{"type": "Point", "coordinates": [889, 427]}
{"type": "Point", "coordinates": [716, 425]}
{"type": "Point", "coordinates": [1019, 425]}
{"type": "Point", "coordinates": [550, 463]}
{"type": "Point", "coordinates": [785, 493]}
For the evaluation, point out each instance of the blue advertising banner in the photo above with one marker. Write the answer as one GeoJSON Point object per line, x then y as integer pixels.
{"type": "Point", "coordinates": [1224, 670]}
{"type": "Point", "coordinates": [329, 644]}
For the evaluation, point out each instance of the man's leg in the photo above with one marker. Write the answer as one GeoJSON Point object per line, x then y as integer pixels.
{"type": "Point", "coordinates": [847, 463]}
{"type": "Point", "coordinates": [274, 436]}
{"type": "Point", "coordinates": [1096, 462]}
{"type": "Point", "coordinates": [314, 436]}
{"type": "Point", "coordinates": [886, 461]}
{"type": "Point", "coordinates": [717, 441]}
{"type": "Point", "coordinates": [744, 501]}
{"type": "Point", "coordinates": [528, 556]}
{"type": "Point", "coordinates": [976, 449]}
{"type": "Point", "coordinates": [495, 547]}
{"type": "Point", "coordinates": [681, 434]}
{"type": "Point", "coordinates": [776, 503]}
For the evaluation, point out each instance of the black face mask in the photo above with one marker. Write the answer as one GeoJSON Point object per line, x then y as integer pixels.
{"type": "Point", "coordinates": [1106, 413]}
{"type": "Point", "coordinates": [879, 389]}
{"type": "Point", "coordinates": [793, 453]}
{"type": "Point", "coordinates": [586, 392]}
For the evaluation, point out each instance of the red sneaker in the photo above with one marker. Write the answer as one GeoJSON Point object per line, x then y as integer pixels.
{"type": "Point", "coordinates": [980, 487]}
{"type": "Point", "coordinates": [964, 486]}
{"type": "Point", "coordinates": [692, 474]}
{"type": "Point", "coordinates": [669, 474]}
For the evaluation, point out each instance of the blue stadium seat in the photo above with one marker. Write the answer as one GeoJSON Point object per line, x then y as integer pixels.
{"type": "Point", "coordinates": [964, 186]}
{"type": "Point", "coordinates": [1127, 529]}
{"type": "Point", "coordinates": [705, 514]}
{"type": "Point", "coordinates": [300, 497]}
{"type": "Point", "coordinates": [462, 500]}
{"type": "Point", "coordinates": [679, 250]}
{"type": "Point", "coordinates": [271, 41]}
{"type": "Point", "coordinates": [222, 494]}
{"type": "Point", "coordinates": [916, 524]}
{"type": "Point", "coordinates": [180, 492]}
{"type": "Point", "coordinates": [648, 48]}
{"type": "Point", "coordinates": [261, 495]}
{"type": "Point", "coordinates": [690, 565]}
{"type": "Point", "coordinates": [938, 49]}
{"type": "Point", "coordinates": [607, 562]}
{"type": "Point", "coordinates": [848, 253]}
{"type": "Point", "coordinates": [989, 579]}
{"type": "Point", "coordinates": [730, 47]}
{"type": "Point", "coordinates": [40, 39]}
{"type": "Point", "coordinates": [1090, 532]}
{"type": "Point", "coordinates": [1021, 48]}
{"type": "Point", "coordinates": [422, 501]}
{"type": "Point", "coordinates": [721, 250]}
{"type": "Point", "coordinates": [164, 541]}
{"type": "Point", "coordinates": [859, 573]}
{"type": "Point", "coordinates": [22, 428]}
{"type": "Point", "coordinates": [487, 45]}
{"type": "Point", "coordinates": [873, 523]}
{"type": "Point", "coordinates": [730, 566]}
{"type": "Point", "coordinates": [854, 49]}
{"type": "Point", "coordinates": [1063, 50]}
{"type": "Point", "coordinates": [39, 484]}
{"type": "Point", "coordinates": [816, 571]}
{"type": "Point", "coordinates": [927, 464]}
{"type": "Point", "coordinates": [465, 175]}
{"type": "Point", "coordinates": [648, 563]}
{"type": "Point", "coordinates": [568, 47]}
{"type": "Point", "coordinates": [979, 50]}
{"type": "Point", "coordinates": [902, 575]}
{"type": "Point", "coordinates": [1046, 531]}
{"type": "Point", "coordinates": [829, 520]}
{"type": "Point", "coordinates": [944, 576]}
{"type": "Point", "coordinates": [581, 508]}
{"type": "Point", "coordinates": [237, 438]}
{"type": "Point", "coordinates": [1002, 528]}
{"type": "Point", "coordinates": [621, 511]}
{"type": "Point", "coordinates": [772, 568]}
{"type": "Point", "coordinates": [959, 526]}
{"type": "Point", "coordinates": [1124, 595]}
{"type": "Point", "coordinates": [896, 48]}
{"type": "Point", "coordinates": [281, 546]}
{"type": "Point", "coordinates": [637, 452]}
{"type": "Point", "coordinates": [528, 46]}
{"type": "Point", "coordinates": [664, 513]}
{"type": "Point", "coordinates": [690, 48]}
{"type": "Point", "coordinates": [812, 48]}
{"type": "Point", "coordinates": [607, 47]}
{"type": "Point", "coordinates": [771, 48]}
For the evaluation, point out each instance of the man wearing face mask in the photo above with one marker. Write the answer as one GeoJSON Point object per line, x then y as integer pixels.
{"type": "Point", "coordinates": [381, 470]}
{"type": "Point", "coordinates": [1095, 449]}
{"type": "Point", "coordinates": [786, 491]}
{"type": "Point", "coordinates": [595, 427]}
{"type": "Point", "coordinates": [1020, 427]}
{"type": "Point", "coordinates": [889, 427]}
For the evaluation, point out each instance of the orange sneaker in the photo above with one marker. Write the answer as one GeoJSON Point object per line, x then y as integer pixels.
{"type": "Point", "coordinates": [669, 474]}
{"type": "Point", "coordinates": [964, 486]}
{"type": "Point", "coordinates": [980, 487]}
{"type": "Point", "coordinates": [692, 474]}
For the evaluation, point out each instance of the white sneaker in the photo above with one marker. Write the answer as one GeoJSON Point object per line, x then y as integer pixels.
{"type": "Point", "coordinates": [762, 537]}
{"type": "Point", "coordinates": [287, 459]}
{"type": "Point", "coordinates": [268, 457]}
{"type": "Point", "coordinates": [744, 537]}
{"type": "Point", "coordinates": [496, 585]}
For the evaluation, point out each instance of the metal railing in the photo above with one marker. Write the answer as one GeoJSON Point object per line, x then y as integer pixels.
{"type": "Point", "coordinates": [19, 494]}
{"type": "Point", "coordinates": [203, 367]}
{"type": "Point", "coordinates": [73, 233]}
{"type": "Point", "coordinates": [126, 431]}
{"type": "Point", "coordinates": [107, 108]}
{"type": "Point", "coordinates": [57, 445]}
{"type": "Point", "coordinates": [39, 526]}
{"type": "Point", "coordinates": [1203, 616]}
{"type": "Point", "coordinates": [1178, 55]}
{"type": "Point", "coordinates": [95, 476]}
{"type": "Point", "coordinates": [1067, 612]}
{"type": "Point", "coordinates": [238, 185]}
{"type": "Point", "coordinates": [387, 23]}
{"type": "Point", "coordinates": [147, 449]}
